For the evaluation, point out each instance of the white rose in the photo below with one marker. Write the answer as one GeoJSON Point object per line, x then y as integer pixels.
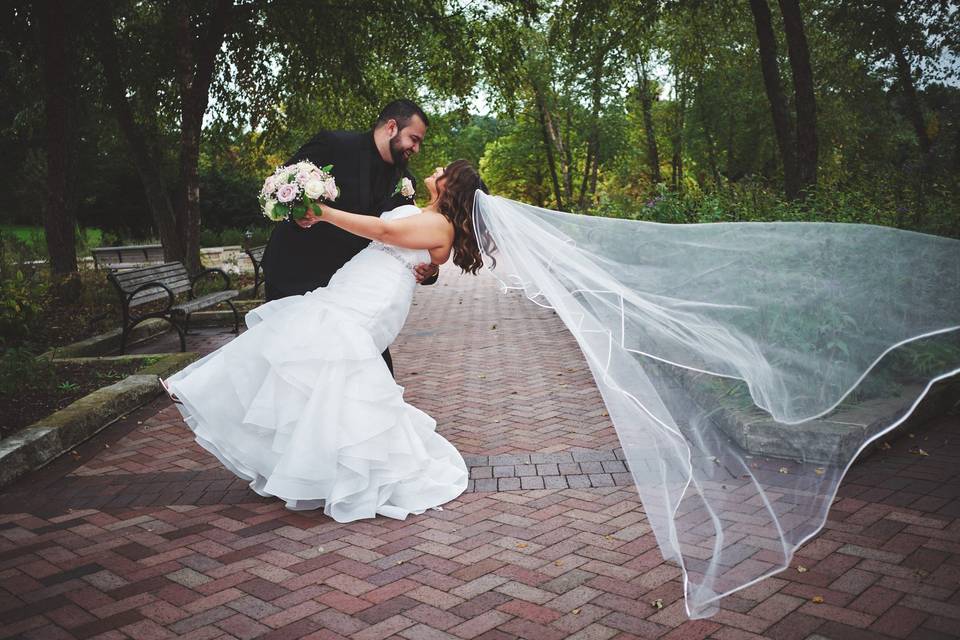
{"type": "Point", "coordinates": [270, 210]}
{"type": "Point", "coordinates": [406, 188]}
{"type": "Point", "coordinates": [269, 186]}
{"type": "Point", "coordinates": [315, 188]}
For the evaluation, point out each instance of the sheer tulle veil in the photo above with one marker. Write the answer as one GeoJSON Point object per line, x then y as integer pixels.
{"type": "Point", "coordinates": [744, 365]}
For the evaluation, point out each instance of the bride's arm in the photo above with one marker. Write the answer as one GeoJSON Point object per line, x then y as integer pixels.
{"type": "Point", "coordinates": [424, 231]}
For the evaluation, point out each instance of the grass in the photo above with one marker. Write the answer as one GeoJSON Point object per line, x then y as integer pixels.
{"type": "Point", "coordinates": [92, 237]}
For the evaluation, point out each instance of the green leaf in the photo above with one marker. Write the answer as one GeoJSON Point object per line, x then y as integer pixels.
{"type": "Point", "coordinates": [327, 169]}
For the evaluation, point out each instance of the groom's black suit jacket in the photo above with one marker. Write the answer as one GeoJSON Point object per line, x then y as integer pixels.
{"type": "Point", "coordinates": [299, 260]}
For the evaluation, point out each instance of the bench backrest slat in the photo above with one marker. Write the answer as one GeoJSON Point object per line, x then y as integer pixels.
{"type": "Point", "coordinates": [130, 278]}
{"type": "Point", "coordinates": [172, 274]}
{"type": "Point", "coordinates": [130, 254]}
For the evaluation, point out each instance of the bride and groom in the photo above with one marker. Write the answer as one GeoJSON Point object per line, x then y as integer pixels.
{"type": "Point", "coordinates": [304, 404]}
{"type": "Point", "coordinates": [725, 353]}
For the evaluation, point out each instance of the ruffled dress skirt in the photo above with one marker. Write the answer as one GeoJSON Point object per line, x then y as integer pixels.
{"type": "Point", "coordinates": [303, 406]}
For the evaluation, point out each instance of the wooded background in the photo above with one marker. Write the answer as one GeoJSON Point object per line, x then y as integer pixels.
{"type": "Point", "coordinates": [160, 119]}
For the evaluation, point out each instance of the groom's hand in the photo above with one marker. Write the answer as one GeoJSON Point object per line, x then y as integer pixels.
{"type": "Point", "coordinates": [308, 220]}
{"type": "Point", "coordinates": [426, 270]}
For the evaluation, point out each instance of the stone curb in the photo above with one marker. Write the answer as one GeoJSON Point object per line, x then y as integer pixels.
{"type": "Point", "coordinates": [110, 341]}
{"type": "Point", "coordinates": [829, 440]}
{"type": "Point", "coordinates": [34, 446]}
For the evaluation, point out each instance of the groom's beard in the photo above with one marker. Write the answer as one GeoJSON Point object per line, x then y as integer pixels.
{"type": "Point", "coordinates": [397, 154]}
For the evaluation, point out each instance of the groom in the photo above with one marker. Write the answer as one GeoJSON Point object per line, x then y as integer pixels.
{"type": "Point", "coordinates": [368, 167]}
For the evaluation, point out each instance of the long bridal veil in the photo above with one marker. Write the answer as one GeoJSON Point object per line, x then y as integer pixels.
{"type": "Point", "coordinates": [744, 365]}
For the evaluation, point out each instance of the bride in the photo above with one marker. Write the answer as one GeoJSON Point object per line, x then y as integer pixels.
{"type": "Point", "coordinates": [303, 406]}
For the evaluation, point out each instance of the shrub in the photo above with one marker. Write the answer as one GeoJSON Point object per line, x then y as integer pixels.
{"type": "Point", "coordinates": [22, 299]}
{"type": "Point", "coordinates": [19, 369]}
{"type": "Point", "coordinates": [231, 237]}
{"type": "Point", "coordinates": [209, 238]}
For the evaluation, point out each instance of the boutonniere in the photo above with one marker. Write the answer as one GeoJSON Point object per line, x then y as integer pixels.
{"type": "Point", "coordinates": [404, 187]}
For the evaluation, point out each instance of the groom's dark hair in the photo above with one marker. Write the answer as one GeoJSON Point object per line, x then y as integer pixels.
{"type": "Point", "coordinates": [401, 111]}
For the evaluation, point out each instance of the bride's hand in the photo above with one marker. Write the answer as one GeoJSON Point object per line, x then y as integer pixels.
{"type": "Point", "coordinates": [308, 220]}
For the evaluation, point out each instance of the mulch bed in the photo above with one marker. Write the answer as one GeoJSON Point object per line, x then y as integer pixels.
{"type": "Point", "coordinates": [53, 386]}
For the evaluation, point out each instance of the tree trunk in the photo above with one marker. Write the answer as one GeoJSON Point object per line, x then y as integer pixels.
{"type": "Point", "coordinates": [799, 53]}
{"type": "Point", "coordinates": [568, 158]}
{"type": "Point", "coordinates": [914, 111]}
{"type": "Point", "coordinates": [158, 198]}
{"type": "Point", "coordinates": [708, 135]}
{"type": "Point", "coordinates": [59, 219]}
{"type": "Point", "coordinates": [196, 58]}
{"type": "Point", "coordinates": [587, 164]}
{"type": "Point", "coordinates": [646, 104]}
{"type": "Point", "coordinates": [548, 144]}
{"type": "Point", "coordinates": [676, 138]}
{"type": "Point", "coordinates": [778, 103]}
{"type": "Point", "coordinates": [594, 173]}
{"type": "Point", "coordinates": [593, 142]}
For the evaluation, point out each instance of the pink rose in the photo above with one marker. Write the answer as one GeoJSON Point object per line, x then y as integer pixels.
{"type": "Point", "coordinates": [287, 192]}
{"type": "Point", "coordinates": [330, 188]}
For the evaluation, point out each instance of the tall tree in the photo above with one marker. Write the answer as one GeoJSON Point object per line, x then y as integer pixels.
{"type": "Point", "coordinates": [806, 103]}
{"type": "Point", "coordinates": [144, 158]}
{"type": "Point", "coordinates": [58, 65]}
{"type": "Point", "coordinates": [770, 68]}
{"type": "Point", "coordinates": [645, 92]}
{"type": "Point", "coordinates": [197, 47]}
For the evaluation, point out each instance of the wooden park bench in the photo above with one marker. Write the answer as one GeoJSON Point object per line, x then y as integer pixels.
{"type": "Point", "coordinates": [127, 257]}
{"type": "Point", "coordinates": [164, 282]}
{"type": "Point", "coordinates": [256, 257]}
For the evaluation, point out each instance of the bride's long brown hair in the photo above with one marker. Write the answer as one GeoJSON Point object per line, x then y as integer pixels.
{"type": "Point", "coordinates": [460, 182]}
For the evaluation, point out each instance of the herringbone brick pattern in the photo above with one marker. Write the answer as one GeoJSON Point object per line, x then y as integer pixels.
{"type": "Point", "coordinates": [142, 535]}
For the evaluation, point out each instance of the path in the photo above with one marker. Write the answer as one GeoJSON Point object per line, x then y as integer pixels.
{"type": "Point", "coordinates": [141, 534]}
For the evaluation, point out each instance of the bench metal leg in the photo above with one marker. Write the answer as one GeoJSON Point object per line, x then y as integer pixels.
{"type": "Point", "coordinates": [128, 330]}
{"type": "Point", "coordinates": [236, 317]}
{"type": "Point", "coordinates": [182, 332]}
{"type": "Point", "coordinates": [123, 338]}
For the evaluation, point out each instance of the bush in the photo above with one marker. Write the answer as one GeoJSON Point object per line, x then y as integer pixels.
{"type": "Point", "coordinates": [209, 238]}
{"type": "Point", "coordinates": [227, 237]}
{"type": "Point", "coordinates": [19, 369]}
{"type": "Point", "coordinates": [231, 237]}
{"type": "Point", "coordinates": [753, 201]}
{"type": "Point", "coordinates": [22, 300]}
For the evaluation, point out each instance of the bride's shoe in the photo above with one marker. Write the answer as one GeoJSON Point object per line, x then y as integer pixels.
{"type": "Point", "coordinates": [166, 387]}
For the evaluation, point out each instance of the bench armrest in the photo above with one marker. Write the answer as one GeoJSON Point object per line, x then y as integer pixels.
{"type": "Point", "coordinates": [202, 274]}
{"type": "Point", "coordinates": [152, 285]}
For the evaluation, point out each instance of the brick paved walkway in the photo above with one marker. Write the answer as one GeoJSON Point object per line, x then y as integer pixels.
{"type": "Point", "coordinates": [140, 534]}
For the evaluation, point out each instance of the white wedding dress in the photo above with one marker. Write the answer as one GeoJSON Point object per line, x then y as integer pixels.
{"type": "Point", "coordinates": [303, 406]}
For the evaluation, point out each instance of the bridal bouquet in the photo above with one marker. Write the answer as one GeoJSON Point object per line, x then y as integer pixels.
{"type": "Point", "coordinates": [291, 190]}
